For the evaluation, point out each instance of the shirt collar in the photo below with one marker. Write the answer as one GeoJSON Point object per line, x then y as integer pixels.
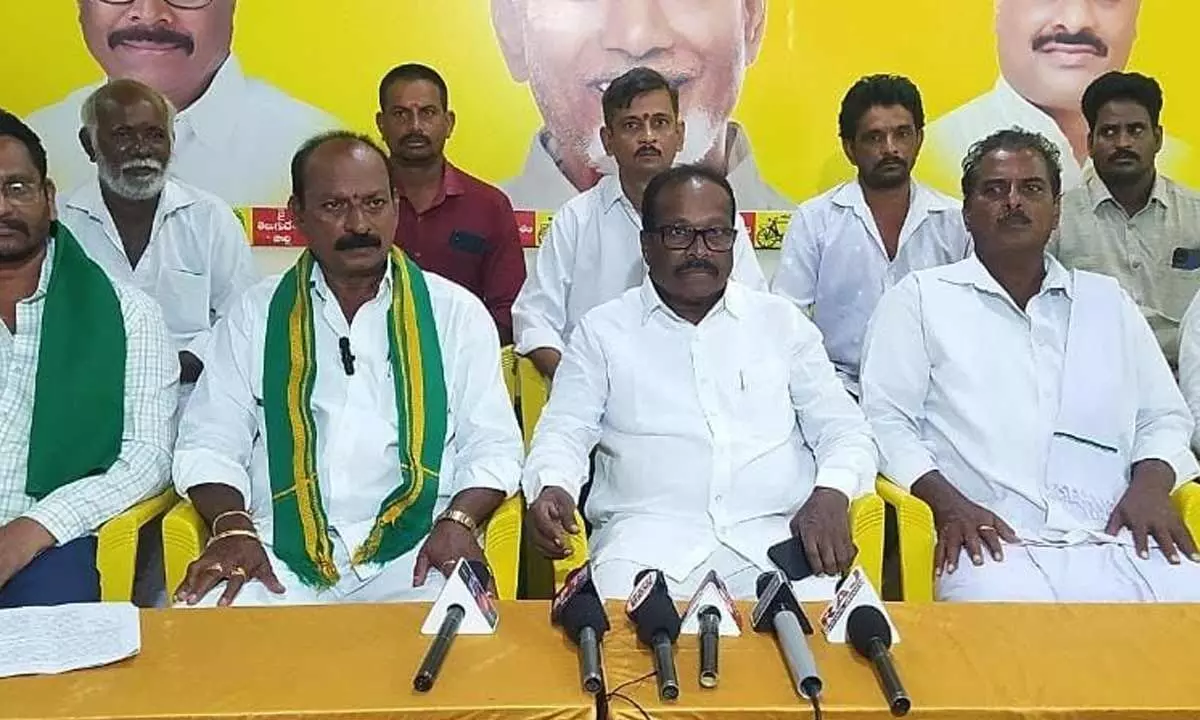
{"type": "Point", "coordinates": [1098, 191]}
{"type": "Point", "coordinates": [612, 194]}
{"type": "Point", "coordinates": [320, 286]}
{"type": "Point", "coordinates": [922, 200]}
{"type": "Point", "coordinates": [733, 301]}
{"type": "Point", "coordinates": [453, 183]}
{"type": "Point", "coordinates": [46, 271]}
{"type": "Point", "coordinates": [973, 273]}
{"type": "Point", "coordinates": [213, 116]}
{"type": "Point", "coordinates": [87, 198]}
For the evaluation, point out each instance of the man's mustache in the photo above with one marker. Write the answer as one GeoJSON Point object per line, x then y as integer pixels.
{"type": "Point", "coordinates": [696, 264]}
{"type": "Point", "coordinates": [1124, 155]}
{"type": "Point", "coordinates": [1015, 218]}
{"type": "Point", "coordinates": [648, 150]}
{"type": "Point", "coordinates": [15, 225]}
{"type": "Point", "coordinates": [891, 162]}
{"type": "Point", "coordinates": [1083, 37]}
{"type": "Point", "coordinates": [355, 241]}
{"type": "Point", "coordinates": [151, 33]}
{"type": "Point", "coordinates": [414, 136]}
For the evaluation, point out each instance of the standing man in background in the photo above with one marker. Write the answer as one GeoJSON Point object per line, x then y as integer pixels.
{"type": "Point", "coordinates": [1048, 54]}
{"type": "Point", "coordinates": [1128, 220]}
{"type": "Point", "coordinates": [234, 136]}
{"type": "Point", "coordinates": [450, 223]}
{"type": "Point", "coordinates": [180, 245]}
{"type": "Point", "coordinates": [845, 248]}
{"type": "Point", "coordinates": [592, 252]}
{"type": "Point", "coordinates": [570, 52]}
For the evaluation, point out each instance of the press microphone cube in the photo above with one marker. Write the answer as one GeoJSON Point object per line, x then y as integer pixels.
{"type": "Point", "coordinates": [578, 610]}
{"type": "Point", "coordinates": [466, 587]}
{"type": "Point", "coordinates": [775, 595]}
{"type": "Point", "coordinates": [653, 612]}
{"type": "Point", "coordinates": [713, 593]}
{"type": "Point", "coordinates": [854, 591]}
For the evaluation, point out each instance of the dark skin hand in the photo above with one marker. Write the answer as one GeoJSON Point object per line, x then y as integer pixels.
{"type": "Point", "coordinates": [823, 526]}
{"type": "Point", "coordinates": [190, 367]}
{"type": "Point", "coordinates": [234, 560]}
{"type": "Point", "coordinates": [546, 360]}
{"type": "Point", "coordinates": [960, 524]}
{"type": "Point", "coordinates": [1146, 510]}
{"type": "Point", "coordinates": [449, 541]}
{"type": "Point", "coordinates": [550, 518]}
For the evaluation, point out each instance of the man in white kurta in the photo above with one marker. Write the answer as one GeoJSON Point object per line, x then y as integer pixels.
{"type": "Point", "coordinates": [1032, 409]}
{"type": "Point", "coordinates": [353, 406]}
{"type": "Point", "coordinates": [718, 432]}
{"type": "Point", "coordinates": [591, 253]}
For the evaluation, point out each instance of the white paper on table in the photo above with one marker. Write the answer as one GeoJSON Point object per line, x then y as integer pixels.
{"type": "Point", "coordinates": [51, 640]}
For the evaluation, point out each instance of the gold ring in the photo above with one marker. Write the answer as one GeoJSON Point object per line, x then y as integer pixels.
{"type": "Point", "coordinates": [238, 572]}
{"type": "Point", "coordinates": [981, 528]}
{"type": "Point", "coordinates": [216, 567]}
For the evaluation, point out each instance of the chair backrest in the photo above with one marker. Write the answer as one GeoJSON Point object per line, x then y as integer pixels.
{"type": "Point", "coordinates": [508, 368]}
{"type": "Point", "coordinates": [533, 391]}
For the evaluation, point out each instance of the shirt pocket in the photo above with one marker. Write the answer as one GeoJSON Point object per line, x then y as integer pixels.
{"type": "Point", "coordinates": [183, 295]}
{"type": "Point", "coordinates": [761, 400]}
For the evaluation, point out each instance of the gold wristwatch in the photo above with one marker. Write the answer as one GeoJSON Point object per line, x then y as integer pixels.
{"type": "Point", "coordinates": [460, 517]}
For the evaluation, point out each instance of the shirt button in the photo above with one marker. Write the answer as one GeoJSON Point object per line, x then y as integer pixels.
{"type": "Point", "coordinates": [1137, 264]}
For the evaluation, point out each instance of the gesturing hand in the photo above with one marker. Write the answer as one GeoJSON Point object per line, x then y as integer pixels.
{"type": "Point", "coordinates": [236, 559]}
{"type": "Point", "coordinates": [1146, 510]}
{"type": "Point", "coordinates": [549, 520]}
{"type": "Point", "coordinates": [823, 526]}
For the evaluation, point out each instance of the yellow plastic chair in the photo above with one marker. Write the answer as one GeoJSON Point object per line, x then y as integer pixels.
{"type": "Point", "coordinates": [117, 545]}
{"type": "Point", "coordinates": [866, 513]}
{"type": "Point", "coordinates": [185, 534]}
{"type": "Point", "coordinates": [918, 536]}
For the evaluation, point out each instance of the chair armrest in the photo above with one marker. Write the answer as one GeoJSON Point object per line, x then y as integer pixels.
{"type": "Point", "coordinates": [184, 535]}
{"type": "Point", "coordinates": [578, 545]}
{"type": "Point", "coordinates": [866, 528]}
{"type": "Point", "coordinates": [502, 545]}
{"type": "Point", "coordinates": [918, 536]}
{"type": "Point", "coordinates": [117, 545]}
{"type": "Point", "coordinates": [508, 368]}
{"type": "Point", "coordinates": [1187, 502]}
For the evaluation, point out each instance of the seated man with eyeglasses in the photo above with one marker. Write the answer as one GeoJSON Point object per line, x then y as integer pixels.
{"type": "Point", "coordinates": [719, 425]}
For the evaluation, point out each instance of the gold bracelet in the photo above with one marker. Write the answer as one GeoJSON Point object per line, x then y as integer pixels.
{"type": "Point", "coordinates": [460, 517]}
{"type": "Point", "coordinates": [229, 513]}
{"type": "Point", "coordinates": [231, 533]}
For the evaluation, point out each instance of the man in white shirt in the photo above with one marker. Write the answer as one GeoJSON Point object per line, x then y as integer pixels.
{"type": "Point", "coordinates": [845, 248]}
{"type": "Point", "coordinates": [1128, 220]}
{"type": "Point", "coordinates": [1048, 54]}
{"type": "Point", "coordinates": [568, 52]}
{"type": "Point", "coordinates": [87, 391]}
{"type": "Point", "coordinates": [1189, 363]}
{"type": "Point", "coordinates": [351, 433]}
{"type": "Point", "coordinates": [591, 253]}
{"type": "Point", "coordinates": [719, 425]}
{"type": "Point", "coordinates": [180, 245]}
{"type": "Point", "coordinates": [233, 135]}
{"type": "Point", "coordinates": [1030, 407]}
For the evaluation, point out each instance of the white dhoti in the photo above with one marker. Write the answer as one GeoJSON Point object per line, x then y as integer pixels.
{"type": "Point", "coordinates": [1076, 573]}
{"type": "Point", "coordinates": [393, 582]}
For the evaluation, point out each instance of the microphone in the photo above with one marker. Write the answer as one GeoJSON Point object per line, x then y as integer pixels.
{"type": "Point", "coordinates": [347, 358]}
{"type": "Point", "coordinates": [577, 608]}
{"type": "Point", "coordinates": [653, 612]}
{"type": "Point", "coordinates": [778, 610]}
{"type": "Point", "coordinates": [871, 636]}
{"type": "Point", "coordinates": [710, 634]}
{"type": "Point", "coordinates": [432, 664]}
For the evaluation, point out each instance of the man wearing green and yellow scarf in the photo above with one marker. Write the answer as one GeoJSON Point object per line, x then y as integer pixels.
{"type": "Point", "coordinates": [88, 385]}
{"type": "Point", "coordinates": [351, 431]}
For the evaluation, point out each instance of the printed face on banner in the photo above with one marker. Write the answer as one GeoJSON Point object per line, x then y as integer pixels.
{"type": "Point", "coordinates": [1050, 51]}
{"type": "Point", "coordinates": [175, 50]}
{"type": "Point", "coordinates": [568, 52]}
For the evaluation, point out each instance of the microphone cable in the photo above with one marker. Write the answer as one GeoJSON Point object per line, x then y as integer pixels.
{"type": "Point", "coordinates": [616, 693]}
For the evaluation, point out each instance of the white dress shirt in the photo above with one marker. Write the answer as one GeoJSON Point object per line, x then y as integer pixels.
{"type": "Point", "coordinates": [706, 435]}
{"type": "Point", "coordinates": [952, 135]}
{"type": "Point", "coordinates": [834, 261]}
{"type": "Point", "coordinates": [1189, 363]}
{"type": "Point", "coordinates": [196, 265]}
{"type": "Point", "coordinates": [142, 467]}
{"type": "Point", "coordinates": [223, 436]}
{"type": "Point", "coordinates": [591, 254]}
{"type": "Point", "coordinates": [542, 185]}
{"type": "Point", "coordinates": [958, 379]}
{"type": "Point", "coordinates": [236, 141]}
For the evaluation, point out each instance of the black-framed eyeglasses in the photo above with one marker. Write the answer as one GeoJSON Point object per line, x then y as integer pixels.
{"type": "Point", "coordinates": [21, 192]}
{"type": "Point", "coordinates": [682, 237]}
{"type": "Point", "coordinates": [177, 4]}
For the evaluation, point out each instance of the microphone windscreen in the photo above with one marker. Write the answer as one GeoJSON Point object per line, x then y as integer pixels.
{"type": "Point", "coordinates": [864, 625]}
{"type": "Point", "coordinates": [482, 572]}
{"type": "Point", "coordinates": [760, 586]}
{"type": "Point", "coordinates": [584, 610]}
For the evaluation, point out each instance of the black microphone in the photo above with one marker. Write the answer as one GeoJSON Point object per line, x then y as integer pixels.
{"type": "Point", "coordinates": [710, 636]}
{"type": "Point", "coordinates": [869, 633]}
{"type": "Point", "coordinates": [436, 654]}
{"type": "Point", "coordinates": [577, 608]}
{"type": "Point", "coordinates": [653, 612]}
{"type": "Point", "coordinates": [778, 610]}
{"type": "Point", "coordinates": [347, 358]}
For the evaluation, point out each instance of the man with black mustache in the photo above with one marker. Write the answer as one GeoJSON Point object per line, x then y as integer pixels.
{"type": "Point", "coordinates": [1048, 53]}
{"type": "Point", "coordinates": [1029, 406]}
{"type": "Point", "coordinates": [180, 245]}
{"type": "Point", "coordinates": [1128, 220]}
{"type": "Point", "coordinates": [233, 134]}
{"type": "Point", "coordinates": [846, 247]}
{"type": "Point", "coordinates": [451, 223]}
{"type": "Point", "coordinates": [590, 254]}
{"type": "Point", "coordinates": [352, 411]}
{"type": "Point", "coordinates": [719, 425]}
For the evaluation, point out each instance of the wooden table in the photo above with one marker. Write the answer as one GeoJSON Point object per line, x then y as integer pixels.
{"type": "Point", "coordinates": [337, 662]}
{"type": "Point", "coordinates": [958, 662]}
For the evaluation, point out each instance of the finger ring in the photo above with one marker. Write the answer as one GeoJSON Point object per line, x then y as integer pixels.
{"type": "Point", "coordinates": [238, 572]}
{"type": "Point", "coordinates": [981, 528]}
{"type": "Point", "coordinates": [217, 567]}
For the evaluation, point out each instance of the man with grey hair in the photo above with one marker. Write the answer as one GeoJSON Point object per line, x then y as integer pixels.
{"type": "Point", "coordinates": [1030, 407]}
{"type": "Point", "coordinates": [182, 246]}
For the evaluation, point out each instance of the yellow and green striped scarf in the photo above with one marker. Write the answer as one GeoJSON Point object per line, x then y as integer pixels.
{"type": "Point", "coordinates": [301, 535]}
